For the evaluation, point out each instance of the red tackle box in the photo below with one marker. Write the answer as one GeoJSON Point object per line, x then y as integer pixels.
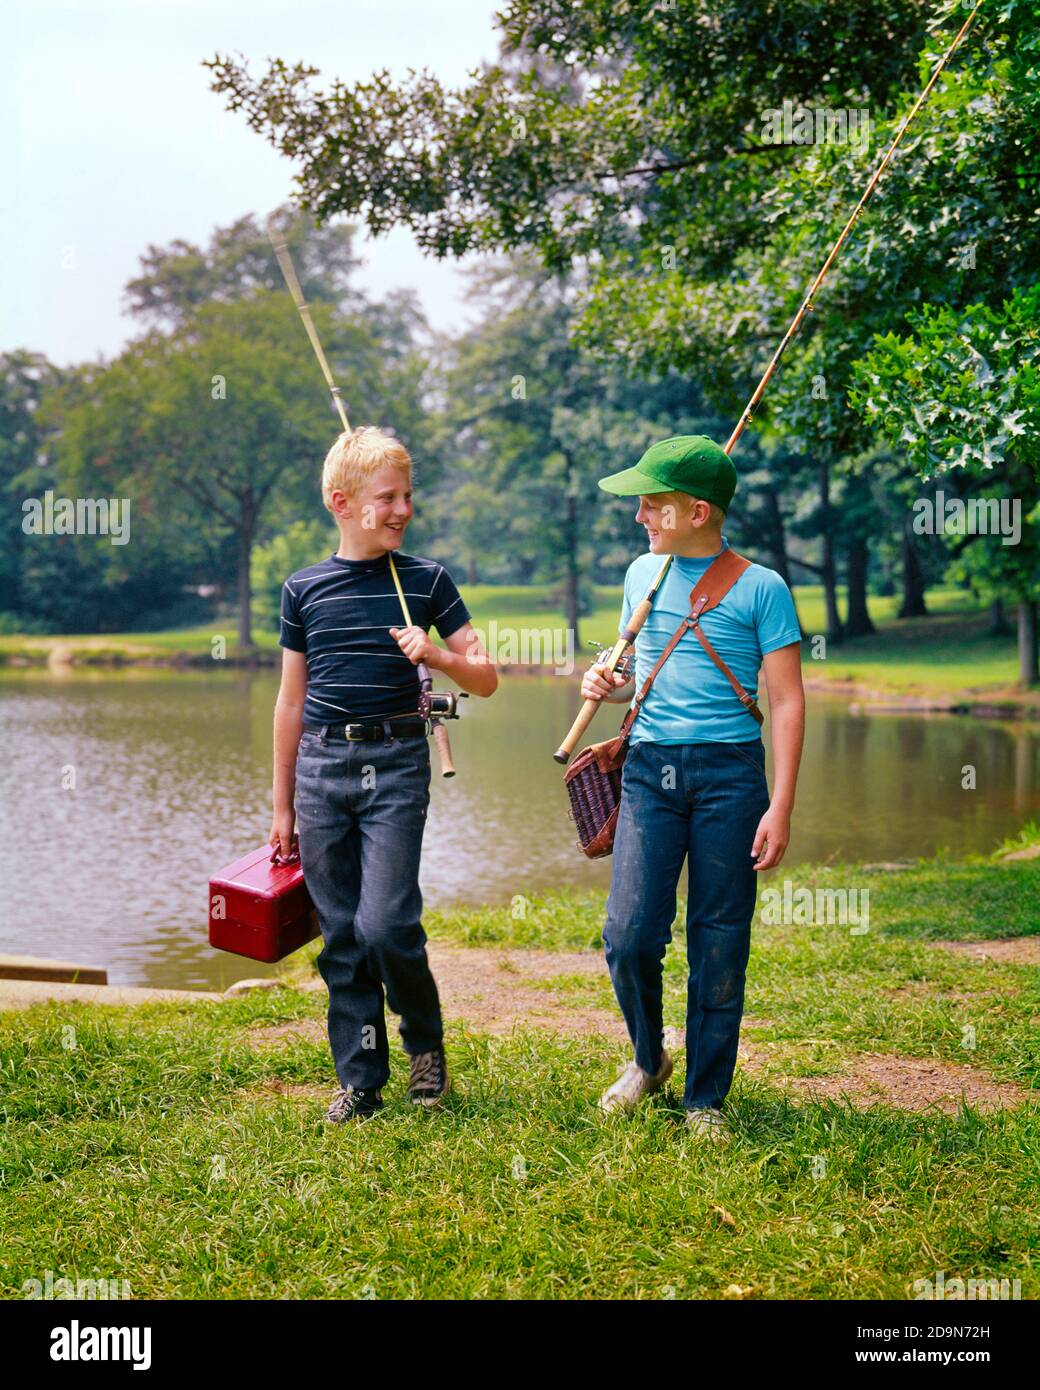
{"type": "Point", "coordinates": [259, 907]}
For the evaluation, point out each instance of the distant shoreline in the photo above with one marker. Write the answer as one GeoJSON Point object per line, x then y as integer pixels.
{"type": "Point", "coordinates": [998, 702]}
{"type": "Point", "coordinates": [64, 655]}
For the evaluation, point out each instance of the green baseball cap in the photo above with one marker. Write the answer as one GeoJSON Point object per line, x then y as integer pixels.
{"type": "Point", "coordinates": [686, 463]}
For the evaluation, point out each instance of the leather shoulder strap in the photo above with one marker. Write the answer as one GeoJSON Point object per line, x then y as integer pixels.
{"type": "Point", "coordinates": [673, 642]}
{"type": "Point", "coordinates": [709, 592]}
{"type": "Point", "coordinates": [716, 582]}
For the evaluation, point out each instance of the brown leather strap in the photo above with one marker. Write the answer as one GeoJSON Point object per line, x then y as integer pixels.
{"type": "Point", "coordinates": [724, 572]}
{"type": "Point", "coordinates": [748, 701]}
{"type": "Point", "coordinates": [709, 591]}
{"type": "Point", "coordinates": [673, 642]}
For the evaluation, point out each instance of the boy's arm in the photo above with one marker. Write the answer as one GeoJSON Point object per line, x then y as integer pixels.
{"type": "Point", "coordinates": [463, 657]}
{"type": "Point", "coordinates": [288, 726]}
{"type": "Point", "coordinates": [783, 673]}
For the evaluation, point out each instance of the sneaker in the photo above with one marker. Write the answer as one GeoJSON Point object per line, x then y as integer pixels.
{"type": "Point", "coordinates": [708, 1122]}
{"type": "Point", "coordinates": [352, 1104]}
{"type": "Point", "coordinates": [428, 1078]}
{"type": "Point", "coordinates": [633, 1084]}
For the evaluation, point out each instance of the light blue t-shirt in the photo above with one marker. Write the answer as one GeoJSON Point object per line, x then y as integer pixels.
{"type": "Point", "coordinates": [691, 701]}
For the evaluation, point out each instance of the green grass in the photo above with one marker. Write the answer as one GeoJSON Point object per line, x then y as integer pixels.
{"type": "Point", "coordinates": [935, 898]}
{"type": "Point", "coordinates": [194, 640]}
{"type": "Point", "coordinates": [155, 1150]}
{"type": "Point", "coordinates": [949, 652]}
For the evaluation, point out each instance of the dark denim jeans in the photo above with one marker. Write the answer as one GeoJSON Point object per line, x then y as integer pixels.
{"type": "Point", "coordinates": [703, 800]}
{"type": "Point", "coordinates": [360, 814]}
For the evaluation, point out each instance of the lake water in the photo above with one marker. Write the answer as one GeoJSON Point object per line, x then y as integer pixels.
{"type": "Point", "coordinates": [172, 781]}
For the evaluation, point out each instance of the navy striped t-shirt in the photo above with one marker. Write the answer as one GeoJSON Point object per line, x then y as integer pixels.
{"type": "Point", "coordinates": [340, 613]}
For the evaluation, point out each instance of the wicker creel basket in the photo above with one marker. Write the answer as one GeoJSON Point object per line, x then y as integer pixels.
{"type": "Point", "coordinates": [593, 783]}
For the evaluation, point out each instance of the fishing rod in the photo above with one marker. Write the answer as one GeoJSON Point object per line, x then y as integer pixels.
{"type": "Point", "coordinates": [639, 615]}
{"type": "Point", "coordinates": [430, 705]}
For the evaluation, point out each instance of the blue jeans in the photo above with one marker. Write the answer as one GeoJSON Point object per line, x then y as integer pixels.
{"type": "Point", "coordinates": [360, 815]}
{"type": "Point", "coordinates": [703, 800]}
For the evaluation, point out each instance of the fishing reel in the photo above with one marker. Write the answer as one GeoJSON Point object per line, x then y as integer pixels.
{"type": "Point", "coordinates": [624, 666]}
{"type": "Point", "coordinates": [439, 704]}
{"type": "Point", "coordinates": [444, 704]}
{"type": "Point", "coordinates": [436, 705]}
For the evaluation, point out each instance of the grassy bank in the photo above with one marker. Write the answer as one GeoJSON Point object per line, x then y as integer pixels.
{"type": "Point", "coordinates": [948, 651]}
{"type": "Point", "coordinates": [947, 659]}
{"type": "Point", "coordinates": [165, 1146]}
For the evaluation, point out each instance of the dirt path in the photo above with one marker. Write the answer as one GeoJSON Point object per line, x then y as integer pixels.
{"type": "Point", "coordinates": [910, 1083]}
{"type": "Point", "coordinates": [492, 990]}
{"type": "Point", "coordinates": [1017, 950]}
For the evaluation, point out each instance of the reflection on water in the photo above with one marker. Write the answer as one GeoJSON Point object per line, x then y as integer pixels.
{"type": "Point", "coordinates": [171, 776]}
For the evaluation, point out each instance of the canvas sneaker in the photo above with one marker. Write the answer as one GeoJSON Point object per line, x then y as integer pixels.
{"type": "Point", "coordinates": [428, 1078]}
{"type": "Point", "coordinates": [634, 1084]}
{"type": "Point", "coordinates": [352, 1104]}
{"type": "Point", "coordinates": [709, 1123]}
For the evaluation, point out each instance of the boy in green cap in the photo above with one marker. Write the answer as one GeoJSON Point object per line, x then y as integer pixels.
{"type": "Point", "coordinates": [693, 781]}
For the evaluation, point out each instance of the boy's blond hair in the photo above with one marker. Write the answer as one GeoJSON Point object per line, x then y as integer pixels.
{"type": "Point", "coordinates": [715, 512]}
{"type": "Point", "coordinates": [356, 455]}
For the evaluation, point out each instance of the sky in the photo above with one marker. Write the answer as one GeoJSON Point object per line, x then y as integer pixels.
{"type": "Point", "coordinates": [113, 141]}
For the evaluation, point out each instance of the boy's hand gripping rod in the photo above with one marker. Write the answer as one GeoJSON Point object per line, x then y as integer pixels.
{"type": "Point", "coordinates": [281, 250]}
{"type": "Point", "coordinates": [642, 609]}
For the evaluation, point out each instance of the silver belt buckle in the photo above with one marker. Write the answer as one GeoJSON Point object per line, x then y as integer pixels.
{"type": "Point", "coordinates": [350, 735]}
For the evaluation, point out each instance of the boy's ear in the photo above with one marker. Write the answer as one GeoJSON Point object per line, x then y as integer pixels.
{"type": "Point", "coordinates": [340, 502]}
{"type": "Point", "coordinates": [694, 502]}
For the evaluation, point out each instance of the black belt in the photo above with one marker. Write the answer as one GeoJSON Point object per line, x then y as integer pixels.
{"type": "Point", "coordinates": [367, 731]}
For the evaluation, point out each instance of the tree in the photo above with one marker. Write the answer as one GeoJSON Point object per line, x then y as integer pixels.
{"type": "Point", "coordinates": [631, 139]}
{"type": "Point", "coordinates": [601, 138]}
{"type": "Point", "coordinates": [197, 428]}
{"type": "Point", "coordinates": [25, 377]}
{"type": "Point", "coordinates": [961, 394]}
{"type": "Point", "coordinates": [600, 125]}
{"type": "Point", "coordinates": [300, 544]}
{"type": "Point", "coordinates": [530, 425]}
{"type": "Point", "coordinates": [178, 280]}
{"type": "Point", "coordinates": [215, 420]}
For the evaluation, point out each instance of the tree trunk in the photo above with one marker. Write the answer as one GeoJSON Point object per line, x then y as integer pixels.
{"type": "Point", "coordinates": [778, 543]}
{"type": "Point", "coordinates": [998, 623]}
{"type": "Point", "coordinates": [471, 570]}
{"type": "Point", "coordinates": [245, 595]}
{"type": "Point", "coordinates": [857, 623]}
{"type": "Point", "coordinates": [913, 605]}
{"type": "Point", "coordinates": [835, 632]}
{"type": "Point", "coordinates": [571, 543]}
{"type": "Point", "coordinates": [1028, 669]}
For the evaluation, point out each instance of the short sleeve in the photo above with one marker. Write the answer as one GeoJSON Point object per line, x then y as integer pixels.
{"type": "Point", "coordinates": [626, 606]}
{"type": "Point", "coordinates": [776, 620]}
{"type": "Point", "coordinates": [447, 611]}
{"type": "Point", "coordinates": [291, 633]}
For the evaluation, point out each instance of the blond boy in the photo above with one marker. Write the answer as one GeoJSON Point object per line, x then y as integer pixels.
{"type": "Point", "coordinates": [352, 764]}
